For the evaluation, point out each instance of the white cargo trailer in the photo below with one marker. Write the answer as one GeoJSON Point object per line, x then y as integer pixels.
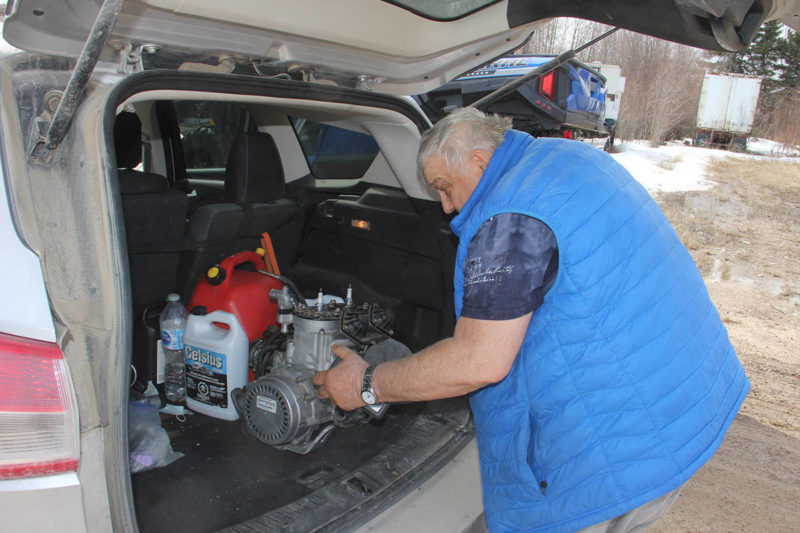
{"type": "Point", "coordinates": [615, 86]}
{"type": "Point", "coordinates": [726, 111]}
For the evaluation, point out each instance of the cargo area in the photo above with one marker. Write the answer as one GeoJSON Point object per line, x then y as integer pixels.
{"type": "Point", "coordinates": [228, 478]}
{"type": "Point", "coordinates": [226, 182]}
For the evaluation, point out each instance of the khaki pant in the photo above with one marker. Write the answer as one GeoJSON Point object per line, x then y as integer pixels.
{"type": "Point", "coordinates": [638, 519]}
{"type": "Point", "coordinates": [633, 521]}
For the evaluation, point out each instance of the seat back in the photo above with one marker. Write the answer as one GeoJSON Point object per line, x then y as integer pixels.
{"type": "Point", "coordinates": [154, 216]}
{"type": "Point", "coordinates": [155, 222]}
{"type": "Point", "coordinates": [256, 202]}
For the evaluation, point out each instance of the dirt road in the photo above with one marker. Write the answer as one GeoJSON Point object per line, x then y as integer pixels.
{"type": "Point", "coordinates": [744, 234]}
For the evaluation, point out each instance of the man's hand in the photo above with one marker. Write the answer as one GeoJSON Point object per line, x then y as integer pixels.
{"type": "Point", "coordinates": [342, 383]}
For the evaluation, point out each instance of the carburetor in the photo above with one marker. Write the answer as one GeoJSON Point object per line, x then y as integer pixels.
{"type": "Point", "coordinates": [281, 407]}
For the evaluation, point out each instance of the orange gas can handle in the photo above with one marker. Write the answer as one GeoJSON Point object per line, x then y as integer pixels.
{"type": "Point", "coordinates": [270, 262]}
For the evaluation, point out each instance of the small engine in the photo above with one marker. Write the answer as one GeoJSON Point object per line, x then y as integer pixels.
{"type": "Point", "coordinates": [281, 407]}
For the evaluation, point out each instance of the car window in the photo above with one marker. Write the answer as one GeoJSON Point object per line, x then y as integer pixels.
{"type": "Point", "coordinates": [333, 152]}
{"type": "Point", "coordinates": [207, 131]}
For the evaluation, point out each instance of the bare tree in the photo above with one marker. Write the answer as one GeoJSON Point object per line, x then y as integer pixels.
{"type": "Point", "coordinates": [663, 78]}
{"type": "Point", "coordinates": [662, 89]}
{"type": "Point", "coordinates": [779, 117]}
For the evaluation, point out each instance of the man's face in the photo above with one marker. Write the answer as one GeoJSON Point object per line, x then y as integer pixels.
{"type": "Point", "coordinates": [455, 185]}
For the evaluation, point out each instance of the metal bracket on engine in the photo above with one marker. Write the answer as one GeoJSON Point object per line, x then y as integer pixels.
{"type": "Point", "coordinates": [376, 317]}
{"type": "Point", "coordinates": [379, 318]}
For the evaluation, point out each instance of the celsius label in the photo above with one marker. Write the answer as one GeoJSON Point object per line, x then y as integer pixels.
{"type": "Point", "coordinates": [211, 359]}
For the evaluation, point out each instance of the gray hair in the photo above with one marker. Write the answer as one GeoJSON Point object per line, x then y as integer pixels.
{"type": "Point", "coordinates": [456, 136]}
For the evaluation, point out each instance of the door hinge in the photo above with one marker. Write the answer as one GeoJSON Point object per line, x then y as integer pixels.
{"type": "Point", "coordinates": [130, 58]}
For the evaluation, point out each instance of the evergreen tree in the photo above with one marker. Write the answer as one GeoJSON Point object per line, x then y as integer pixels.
{"type": "Point", "coordinates": [790, 55]}
{"type": "Point", "coordinates": [764, 57]}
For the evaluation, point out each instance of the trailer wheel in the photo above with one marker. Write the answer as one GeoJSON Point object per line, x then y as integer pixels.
{"type": "Point", "coordinates": [609, 145]}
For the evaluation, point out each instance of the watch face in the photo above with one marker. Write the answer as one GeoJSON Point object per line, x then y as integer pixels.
{"type": "Point", "coordinates": [368, 397]}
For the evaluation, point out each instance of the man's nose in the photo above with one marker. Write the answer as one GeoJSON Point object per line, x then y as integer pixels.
{"type": "Point", "coordinates": [447, 205]}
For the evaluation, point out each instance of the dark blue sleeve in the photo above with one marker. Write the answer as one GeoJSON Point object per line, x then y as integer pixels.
{"type": "Point", "coordinates": [511, 263]}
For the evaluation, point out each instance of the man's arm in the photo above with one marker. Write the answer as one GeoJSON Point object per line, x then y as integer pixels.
{"type": "Point", "coordinates": [479, 353]}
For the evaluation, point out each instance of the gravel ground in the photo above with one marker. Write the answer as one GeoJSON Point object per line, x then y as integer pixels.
{"type": "Point", "coordinates": [744, 234]}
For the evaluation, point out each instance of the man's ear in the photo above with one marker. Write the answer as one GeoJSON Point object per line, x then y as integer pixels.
{"type": "Point", "coordinates": [481, 158]}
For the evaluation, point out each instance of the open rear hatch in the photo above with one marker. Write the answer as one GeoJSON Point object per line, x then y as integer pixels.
{"type": "Point", "coordinates": [401, 47]}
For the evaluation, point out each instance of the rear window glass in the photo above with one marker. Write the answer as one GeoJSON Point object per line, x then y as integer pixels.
{"type": "Point", "coordinates": [333, 152]}
{"type": "Point", "coordinates": [442, 9]}
{"type": "Point", "coordinates": [207, 131]}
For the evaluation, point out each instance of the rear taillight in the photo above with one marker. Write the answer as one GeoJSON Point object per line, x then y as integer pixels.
{"type": "Point", "coordinates": [547, 85]}
{"type": "Point", "coordinates": [39, 431]}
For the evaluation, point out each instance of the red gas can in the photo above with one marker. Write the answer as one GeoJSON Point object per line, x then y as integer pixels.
{"type": "Point", "coordinates": [243, 293]}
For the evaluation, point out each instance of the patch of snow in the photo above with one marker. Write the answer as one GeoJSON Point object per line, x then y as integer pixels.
{"type": "Point", "coordinates": [772, 148]}
{"type": "Point", "coordinates": [670, 168]}
{"type": "Point", "coordinates": [678, 166]}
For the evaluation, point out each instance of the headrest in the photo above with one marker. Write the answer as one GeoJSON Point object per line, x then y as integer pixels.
{"type": "Point", "coordinates": [133, 182]}
{"type": "Point", "coordinates": [128, 140]}
{"type": "Point", "coordinates": [254, 172]}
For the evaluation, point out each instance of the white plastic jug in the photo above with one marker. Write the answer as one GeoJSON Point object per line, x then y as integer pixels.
{"type": "Point", "coordinates": [216, 360]}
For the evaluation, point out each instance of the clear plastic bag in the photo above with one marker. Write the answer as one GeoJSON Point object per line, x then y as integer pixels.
{"type": "Point", "coordinates": [148, 442]}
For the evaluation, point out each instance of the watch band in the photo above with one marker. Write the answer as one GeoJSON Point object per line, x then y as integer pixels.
{"type": "Point", "coordinates": [366, 387]}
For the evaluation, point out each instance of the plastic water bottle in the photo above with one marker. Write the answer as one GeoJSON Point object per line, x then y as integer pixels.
{"type": "Point", "coordinates": [172, 322]}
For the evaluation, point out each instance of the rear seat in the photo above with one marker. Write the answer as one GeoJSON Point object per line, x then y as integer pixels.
{"type": "Point", "coordinates": [255, 202]}
{"type": "Point", "coordinates": [155, 224]}
{"type": "Point", "coordinates": [154, 216]}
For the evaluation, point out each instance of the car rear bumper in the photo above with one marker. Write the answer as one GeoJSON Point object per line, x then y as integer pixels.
{"type": "Point", "coordinates": [44, 504]}
{"type": "Point", "coordinates": [450, 501]}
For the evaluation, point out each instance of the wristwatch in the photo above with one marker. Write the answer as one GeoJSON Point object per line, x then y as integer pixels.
{"type": "Point", "coordinates": [367, 392]}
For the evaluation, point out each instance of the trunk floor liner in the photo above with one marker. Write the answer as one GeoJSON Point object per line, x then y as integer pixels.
{"type": "Point", "coordinates": [226, 476]}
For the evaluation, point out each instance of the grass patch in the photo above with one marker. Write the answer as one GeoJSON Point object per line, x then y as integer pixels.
{"type": "Point", "coordinates": [726, 273]}
{"type": "Point", "coordinates": [784, 175]}
{"type": "Point", "coordinates": [667, 164]}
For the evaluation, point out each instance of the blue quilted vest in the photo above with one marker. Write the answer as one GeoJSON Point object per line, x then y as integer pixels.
{"type": "Point", "coordinates": [626, 381]}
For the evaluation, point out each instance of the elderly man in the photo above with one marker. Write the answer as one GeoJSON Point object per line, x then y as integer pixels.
{"type": "Point", "coordinates": [600, 375]}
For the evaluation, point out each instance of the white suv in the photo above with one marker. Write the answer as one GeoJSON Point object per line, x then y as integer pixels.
{"type": "Point", "coordinates": [242, 117]}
